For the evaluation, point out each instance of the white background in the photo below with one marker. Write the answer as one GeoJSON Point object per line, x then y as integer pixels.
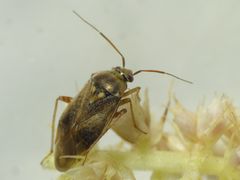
{"type": "Point", "coordinates": [46, 51]}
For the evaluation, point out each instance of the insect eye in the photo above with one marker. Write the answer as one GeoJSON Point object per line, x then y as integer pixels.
{"type": "Point", "coordinates": [128, 78]}
{"type": "Point", "coordinates": [118, 69]}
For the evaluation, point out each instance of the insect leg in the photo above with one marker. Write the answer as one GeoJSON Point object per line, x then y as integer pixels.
{"type": "Point", "coordinates": [128, 100]}
{"type": "Point", "coordinates": [131, 91]}
{"type": "Point", "coordinates": [119, 113]}
{"type": "Point", "coordinates": [65, 99]}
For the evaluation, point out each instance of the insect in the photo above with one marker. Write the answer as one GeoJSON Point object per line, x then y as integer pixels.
{"type": "Point", "coordinates": [90, 113]}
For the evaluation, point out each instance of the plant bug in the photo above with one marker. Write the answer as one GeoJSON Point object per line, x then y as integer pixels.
{"type": "Point", "coordinates": [90, 113]}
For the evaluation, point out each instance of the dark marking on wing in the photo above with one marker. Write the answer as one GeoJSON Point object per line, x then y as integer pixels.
{"type": "Point", "coordinates": [93, 127]}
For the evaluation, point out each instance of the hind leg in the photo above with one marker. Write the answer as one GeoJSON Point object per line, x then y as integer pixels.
{"type": "Point", "coordinates": [65, 99]}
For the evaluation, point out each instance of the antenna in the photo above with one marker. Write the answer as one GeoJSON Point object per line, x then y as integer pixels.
{"type": "Point", "coordinates": [105, 37]}
{"type": "Point", "coordinates": [162, 72]}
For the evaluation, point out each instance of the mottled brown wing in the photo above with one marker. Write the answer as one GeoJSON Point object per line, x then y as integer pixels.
{"type": "Point", "coordinates": [100, 115]}
{"type": "Point", "coordinates": [83, 122]}
{"type": "Point", "coordinates": [78, 106]}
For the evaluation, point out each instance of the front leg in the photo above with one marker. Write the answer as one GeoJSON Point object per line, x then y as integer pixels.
{"type": "Point", "coordinates": [131, 91]}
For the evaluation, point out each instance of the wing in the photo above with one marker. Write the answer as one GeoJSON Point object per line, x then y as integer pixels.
{"type": "Point", "coordinates": [91, 130]}
{"type": "Point", "coordinates": [84, 121]}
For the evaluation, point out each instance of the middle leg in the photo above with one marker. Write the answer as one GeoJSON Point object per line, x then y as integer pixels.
{"type": "Point", "coordinates": [128, 100]}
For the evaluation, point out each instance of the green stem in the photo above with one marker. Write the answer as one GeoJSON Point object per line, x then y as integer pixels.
{"type": "Point", "coordinates": [175, 162]}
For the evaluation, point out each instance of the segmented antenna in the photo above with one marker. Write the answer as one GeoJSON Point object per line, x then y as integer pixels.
{"type": "Point", "coordinates": [162, 72]}
{"type": "Point", "coordinates": [105, 37]}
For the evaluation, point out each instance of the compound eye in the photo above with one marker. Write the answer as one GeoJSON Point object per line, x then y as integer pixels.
{"type": "Point", "coordinates": [118, 69]}
{"type": "Point", "coordinates": [128, 78]}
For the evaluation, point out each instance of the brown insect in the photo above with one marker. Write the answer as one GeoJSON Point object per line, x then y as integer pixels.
{"type": "Point", "coordinates": [90, 113]}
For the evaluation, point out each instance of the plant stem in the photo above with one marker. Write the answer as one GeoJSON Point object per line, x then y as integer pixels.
{"type": "Point", "coordinates": [175, 162]}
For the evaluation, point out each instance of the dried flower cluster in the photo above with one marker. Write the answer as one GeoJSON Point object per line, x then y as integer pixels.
{"type": "Point", "coordinates": [183, 145]}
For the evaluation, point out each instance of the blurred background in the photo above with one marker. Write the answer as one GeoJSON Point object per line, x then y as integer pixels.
{"type": "Point", "coordinates": [46, 51]}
